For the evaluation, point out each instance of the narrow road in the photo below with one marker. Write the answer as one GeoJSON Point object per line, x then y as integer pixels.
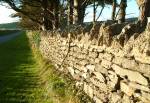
{"type": "Point", "coordinates": [9, 37]}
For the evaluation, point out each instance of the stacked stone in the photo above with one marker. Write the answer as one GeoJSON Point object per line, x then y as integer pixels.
{"type": "Point", "coordinates": [106, 74]}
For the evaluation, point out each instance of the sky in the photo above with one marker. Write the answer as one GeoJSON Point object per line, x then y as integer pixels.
{"type": "Point", "coordinates": [131, 11]}
{"type": "Point", "coordinates": [5, 13]}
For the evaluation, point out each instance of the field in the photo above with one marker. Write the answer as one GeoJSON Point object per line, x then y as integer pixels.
{"type": "Point", "coordinates": [11, 26]}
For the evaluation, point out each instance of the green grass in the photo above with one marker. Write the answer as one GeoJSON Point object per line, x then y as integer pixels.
{"type": "Point", "coordinates": [19, 79]}
{"type": "Point", "coordinates": [13, 25]}
{"type": "Point", "coordinates": [7, 32]}
{"type": "Point", "coordinates": [26, 78]}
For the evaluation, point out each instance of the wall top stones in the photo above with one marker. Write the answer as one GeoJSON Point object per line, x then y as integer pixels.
{"type": "Point", "coordinates": [109, 64]}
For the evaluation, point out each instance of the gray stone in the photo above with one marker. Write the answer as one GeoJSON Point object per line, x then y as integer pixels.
{"type": "Point", "coordinates": [138, 86]}
{"type": "Point", "coordinates": [71, 70]}
{"type": "Point", "coordinates": [93, 54]}
{"type": "Point", "coordinates": [90, 67]}
{"type": "Point", "coordinates": [99, 76]}
{"type": "Point", "coordinates": [108, 57]}
{"type": "Point", "coordinates": [101, 69]}
{"type": "Point", "coordinates": [144, 68]}
{"type": "Point", "coordinates": [126, 89]}
{"type": "Point", "coordinates": [107, 64]}
{"type": "Point", "coordinates": [113, 79]}
{"type": "Point", "coordinates": [97, 100]}
{"type": "Point", "coordinates": [84, 62]}
{"type": "Point", "coordinates": [115, 98]}
{"type": "Point", "coordinates": [100, 56]}
{"type": "Point", "coordinates": [97, 60]}
{"type": "Point", "coordinates": [77, 71]}
{"type": "Point", "coordinates": [100, 49]}
{"type": "Point", "coordinates": [142, 58]}
{"type": "Point", "coordinates": [146, 96]}
{"type": "Point", "coordinates": [88, 90]}
{"type": "Point", "coordinates": [130, 64]}
{"type": "Point", "coordinates": [126, 99]}
{"type": "Point", "coordinates": [132, 76]}
{"type": "Point", "coordinates": [100, 94]}
{"type": "Point", "coordinates": [102, 86]}
{"type": "Point", "coordinates": [117, 60]}
{"type": "Point", "coordinates": [125, 63]}
{"type": "Point", "coordinates": [85, 87]}
{"type": "Point", "coordinates": [85, 75]}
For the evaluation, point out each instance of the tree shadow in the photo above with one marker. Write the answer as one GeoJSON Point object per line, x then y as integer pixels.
{"type": "Point", "coordinates": [18, 77]}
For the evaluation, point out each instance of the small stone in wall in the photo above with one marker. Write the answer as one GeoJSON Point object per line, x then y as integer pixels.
{"type": "Point", "coordinates": [131, 75]}
{"type": "Point", "coordinates": [139, 87]}
{"type": "Point", "coordinates": [113, 79]}
{"type": "Point", "coordinates": [131, 64]}
{"type": "Point", "coordinates": [90, 67]}
{"type": "Point", "coordinates": [126, 99]}
{"type": "Point", "coordinates": [107, 64]}
{"type": "Point", "coordinates": [102, 86]}
{"type": "Point", "coordinates": [71, 70]}
{"type": "Point", "coordinates": [146, 96]}
{"type": "Point", "coordinates": [97, 60]}
{"type": "Point", "coordinates": [85, 75]}
{"type": "Point", "coordinates": [88, 89]}
{"type": "Point", "coordinates": [99, 76]}
{"type": "Point", "coordinates": [93, 54]}
{"type": "Point", "coordinates": [127, 89]}
{"type": "Point", "coordinates": [101, 69]}
{"type": "Point", "coordinates": [97, 100]}
{"type": "Point", "coordinates": [115, 98]}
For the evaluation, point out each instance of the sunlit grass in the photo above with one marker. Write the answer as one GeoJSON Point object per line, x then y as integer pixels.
{"type": "Point", "coordinates": [7, 32]}
{"type": "Point", "coordinates": [26, 78]}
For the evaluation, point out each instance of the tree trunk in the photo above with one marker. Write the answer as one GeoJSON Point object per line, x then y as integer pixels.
{"type": "Point", "coordinates": [56, 14]}
{"type": "Point", "coordinates": [75, 15]}
{"type": "Point", "coordinates": [123, 5]}
{"type": "Point", "coordinates": [45, 15]}
{"type": "Point", "coordinates": [113, 10]}
{"type": "Point", "coordinates": [94, 12]}
{"type": "Point", "coordinates": [144, 12]}
{"type": "Point", "coordinates": [81, 11]}
{"type": "Point", "coordinates": [70, 11]}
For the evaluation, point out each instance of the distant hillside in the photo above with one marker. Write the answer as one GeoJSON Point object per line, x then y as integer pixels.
{"type": "Point", "coordinates": [13, 25]}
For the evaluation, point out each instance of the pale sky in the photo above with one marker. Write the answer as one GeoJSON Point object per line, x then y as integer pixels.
{"type": "Point", "coordinates": [5, 13]}
{"type": "Point", "coordinates": [132, 11]}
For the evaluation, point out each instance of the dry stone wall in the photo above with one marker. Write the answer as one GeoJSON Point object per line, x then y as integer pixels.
{"type": "Point", "coordinates": [107, 73]}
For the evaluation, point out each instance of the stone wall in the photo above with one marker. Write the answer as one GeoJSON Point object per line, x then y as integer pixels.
{"type": "Point", "coordinates": [108, 71]}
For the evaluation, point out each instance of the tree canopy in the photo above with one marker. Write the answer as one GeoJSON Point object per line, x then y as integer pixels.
{"type": "Point", "coordinates": [52, 14]}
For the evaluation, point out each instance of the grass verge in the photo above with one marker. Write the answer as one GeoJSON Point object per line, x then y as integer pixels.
{"type": "Point", "coordinates": [7, 32]}
{"type": "Point", "coordinates": [25, 77]}
{"type": "Point", "coordinates": [62, 85]}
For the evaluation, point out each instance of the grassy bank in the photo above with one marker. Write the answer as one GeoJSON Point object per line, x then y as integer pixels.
{"type": "Point", "coordinates": [13, 25]}
{"type": "Point", "coordinates": [7, 32]}
{"type": "Point", "coordinates": [26, 78]}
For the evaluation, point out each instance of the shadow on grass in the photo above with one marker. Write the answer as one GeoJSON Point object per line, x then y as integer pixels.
{"type": "Point", "coordinates": [18, 77]}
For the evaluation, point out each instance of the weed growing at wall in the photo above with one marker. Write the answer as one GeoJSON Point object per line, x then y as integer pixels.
{"type": "Point", "coordinates": [36, 38]}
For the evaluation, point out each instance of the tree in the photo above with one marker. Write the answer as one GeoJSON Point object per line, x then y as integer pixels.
{"type": "Point", "coordinates": [123, 5]}
{"type": "Point", "coordinates": [79, 11]}
{"type": "Point", "coordinates": [94, 11]}
{"type": "Point", "coordinates": [43, 12]}
{"type": "Point", "coordinates": [114, 4]}
{"type": "Point", "coordinates": [70, 11]}
{"type": "Point", "coordinates": [144, 6]}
